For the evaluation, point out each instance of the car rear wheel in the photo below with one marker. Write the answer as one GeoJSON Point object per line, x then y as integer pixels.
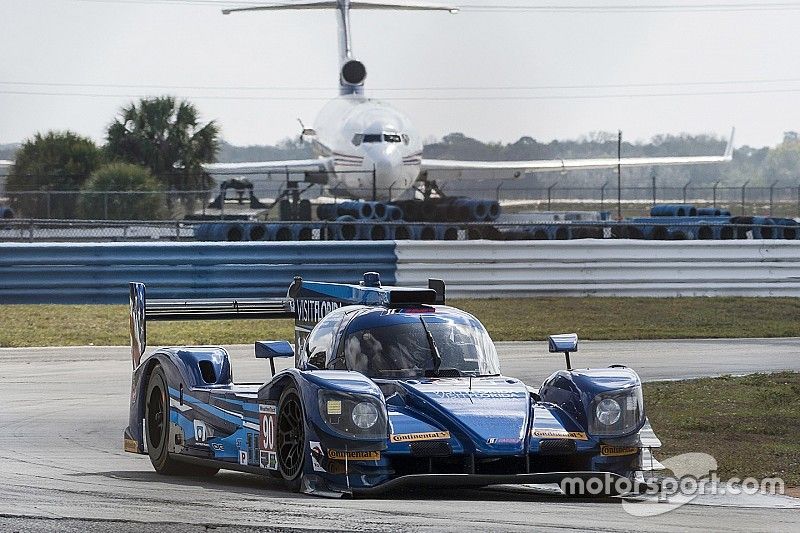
{"type": "Point", "coordinates": [156, 425]}
{"type": "Point", "coordinates": [291, 439]}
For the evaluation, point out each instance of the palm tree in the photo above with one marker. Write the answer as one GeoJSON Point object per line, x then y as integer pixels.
{"type": "Point", "coordinates": [165, 135]}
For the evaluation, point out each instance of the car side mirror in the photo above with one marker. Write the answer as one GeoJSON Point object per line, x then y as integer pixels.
{"type": "Point", "coordinates": [272, 349]}
{"type": "Point", "coordinates": [565, 343]}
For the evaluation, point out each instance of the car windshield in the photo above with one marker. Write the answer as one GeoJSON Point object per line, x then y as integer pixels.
{"type": "Point", "coordinates": [458, 345]}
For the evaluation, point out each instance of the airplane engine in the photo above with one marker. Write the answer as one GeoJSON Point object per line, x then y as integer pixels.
{"type": "Point", "coordinates": [354, 72]}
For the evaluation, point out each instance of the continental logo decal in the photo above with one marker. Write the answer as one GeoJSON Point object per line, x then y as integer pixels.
{"type": "Point", "coordinates": [409, 437]}
{"type": "Point", "coordinates": [617, 451]}
{"type": "Point", "coordinates": [556, 434]}
{"type": "Point", "coordinates": [354, 456]}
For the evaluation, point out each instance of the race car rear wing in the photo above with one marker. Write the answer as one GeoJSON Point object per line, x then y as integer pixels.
{"type": "Point", "coordinates": [143, 311]}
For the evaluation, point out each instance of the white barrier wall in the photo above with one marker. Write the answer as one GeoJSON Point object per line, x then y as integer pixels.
{"type": "Point", "coordinates": [588, 267]}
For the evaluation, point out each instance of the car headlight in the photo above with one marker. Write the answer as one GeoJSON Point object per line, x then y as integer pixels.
{"type": "Point", "coordinates": [608, 411]}
{"type": "Point", "coordinates": [364, 415]}
{"type": "Point", "coordinates": [353, 415]}
{"type": "Point", "coordinates": [617, 413]}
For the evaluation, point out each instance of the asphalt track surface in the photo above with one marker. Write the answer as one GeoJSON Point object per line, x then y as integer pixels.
{"type": "Point", "coordinates": [62, 412]}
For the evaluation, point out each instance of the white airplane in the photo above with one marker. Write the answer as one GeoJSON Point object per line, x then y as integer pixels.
{"type": "Point", "coordinates": [369, 146]}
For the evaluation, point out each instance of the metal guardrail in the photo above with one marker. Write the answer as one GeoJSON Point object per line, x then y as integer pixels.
{"type": "Point", "coordinates": [99, 273]}
{"type": "Point", "coordinates": [604, 268]}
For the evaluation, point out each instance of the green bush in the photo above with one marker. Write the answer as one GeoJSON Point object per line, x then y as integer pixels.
{"type": "Point", "coordinates": [144, 197]}
{"type": "Point", "coordinates": [55, 161]}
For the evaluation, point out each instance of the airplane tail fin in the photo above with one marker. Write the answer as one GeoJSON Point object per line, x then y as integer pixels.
{"type": "Point", "coordinates": [729, 147]}
{"type": "Point", "coordinates": [353, 73]}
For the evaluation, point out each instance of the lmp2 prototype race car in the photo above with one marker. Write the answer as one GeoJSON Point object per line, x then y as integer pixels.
{"type": "Point", "coordinates": [390, 388]}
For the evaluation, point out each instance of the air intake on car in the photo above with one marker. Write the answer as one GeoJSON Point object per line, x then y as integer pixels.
{"type": "Point", "coordinates": [431, 449]}
{"type": "Point", "coordinates": [557, 447]}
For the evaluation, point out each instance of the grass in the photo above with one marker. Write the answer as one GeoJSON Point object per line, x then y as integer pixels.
{"type": "Point", "coordinates": [750, 424]}
{"type": "Point", "coordinates": [506, 319]}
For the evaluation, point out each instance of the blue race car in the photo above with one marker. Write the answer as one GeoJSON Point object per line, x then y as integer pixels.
{"type": "Point", "coordinates": [390, 388]}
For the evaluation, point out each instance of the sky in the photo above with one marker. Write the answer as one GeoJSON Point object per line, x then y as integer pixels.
{"type": "Point", "coordinates": [644, 67]}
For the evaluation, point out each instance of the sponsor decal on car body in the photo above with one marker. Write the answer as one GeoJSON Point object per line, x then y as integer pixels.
{"type": "Point", "coordinates": [410, 437]}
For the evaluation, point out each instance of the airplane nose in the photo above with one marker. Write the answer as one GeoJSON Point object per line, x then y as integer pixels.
{"type": "Point", "coordinates": [386, 166]}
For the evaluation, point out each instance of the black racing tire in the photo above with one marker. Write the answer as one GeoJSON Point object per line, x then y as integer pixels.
{"type": "Point", "coordinates": [156, 424]}
{"type": "Point", "coordinates": [290, 439]}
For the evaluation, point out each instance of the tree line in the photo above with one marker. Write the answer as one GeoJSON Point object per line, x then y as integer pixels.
{"type": "Point", "coordinates": [157, 145]}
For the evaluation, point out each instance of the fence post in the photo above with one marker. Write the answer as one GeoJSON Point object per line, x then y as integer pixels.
{"type": "Point", "coordinates": [684, 190]}
{"type": "Point", "coordinates": [177, 230]}
{"type": "Point", "coordinates": [603, 195]}
{"type": "Point", "coordinates": [744, 186]}
{"type": "Point", "coordinates": [550, 195]}
{"type": "Point", "coordinates": [105, 206]}
{"type": "Point", "coordinates": [771, 196]}
{"type": "Point", "coordinates": [497, 190]}
{"type": "Point", "coordinates": [653, 176]}
{"type": "Point", "coordinates": [715, 194]}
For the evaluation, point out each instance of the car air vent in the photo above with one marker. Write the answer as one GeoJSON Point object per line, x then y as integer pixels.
{"type": "Point", "coordinates": [557, 447]}
{"type": "Point", "coordinates": [431, 448]}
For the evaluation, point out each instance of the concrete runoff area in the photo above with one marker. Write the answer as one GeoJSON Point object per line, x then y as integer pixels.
{"type": "Point", "coordinates": [64, 409]}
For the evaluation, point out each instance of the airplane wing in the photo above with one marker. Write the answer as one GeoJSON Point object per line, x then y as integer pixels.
{"type": "Point", "coordinates": [322, 164]}
{"type": "Point", "coordinates": [562, 165]}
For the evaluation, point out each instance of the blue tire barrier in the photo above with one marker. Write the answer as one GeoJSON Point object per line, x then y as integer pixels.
{"type": "Point", "coordinates": [559, 232]}
{"type": "Point", "coordinates": [712, 212]}
{"type": "Point", "coordinates": [447, 233]}
{"type": "Point", "coordinates": [478, 210]}
{"type": "Point", "coordinates": [394, 213]}
{"type": "Point", "coordinates": [539, 233]}
{"type": "Point", "coordinates": [626, 231]}
{"type": "Point", "coordinates": [202, 231]}
{"type": "Point", "coordinates": [358, 210]}
{"type": "Point", "coordinates": [790, 229]}
{"type": "Point", "coordinates": [374, 232]}
{"type": "Point", "coordinates": [303, 232]}
{"type": "Point", "coordinates": [6, 213]}
{"type": "Point", "coordinates": [492, 210]}
{"type": "Point", "coordinates": [256, 231]}
{"type": "Point", "coordinates": [426, 232]}
{"type": "Point", "coordinates": [765, 228]}
{"type": "Point", "coordinates": [586, 232]}
{"type": "Point", "coordinates": [486, 232]}
{"type": "Point", "coordinates": [226, 232]}
{"type": "Point", "coordinates": [673, 210]}
{"type": "Point", "coordinates": [283, 232]}
{"type": "Point", "coordinates": [345, 228]}
{"type": "Point", "coordinates": [403, 232]}
{"type": "Point", "coordinates": [682, 233]}
{"type": "Point", "coordinates": [379, 210]}
{"type": "Point", "coordinates": [328, 211]}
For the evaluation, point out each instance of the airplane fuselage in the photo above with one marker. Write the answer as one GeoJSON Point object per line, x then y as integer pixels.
{"type": "Point", "coordinates": [368, 140]}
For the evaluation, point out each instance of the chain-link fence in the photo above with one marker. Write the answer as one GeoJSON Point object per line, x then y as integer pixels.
{"type": "Point", "coordinates": [556, 227]}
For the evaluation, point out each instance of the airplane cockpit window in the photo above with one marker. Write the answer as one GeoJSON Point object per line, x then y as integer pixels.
{"type": "Point", "coordinates": [359, 138]}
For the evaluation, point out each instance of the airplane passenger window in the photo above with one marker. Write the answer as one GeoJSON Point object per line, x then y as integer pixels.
{"type": "Point", "coordinates": [391, 138]}
{"type": "Point", "coordinates": [372, 137]}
